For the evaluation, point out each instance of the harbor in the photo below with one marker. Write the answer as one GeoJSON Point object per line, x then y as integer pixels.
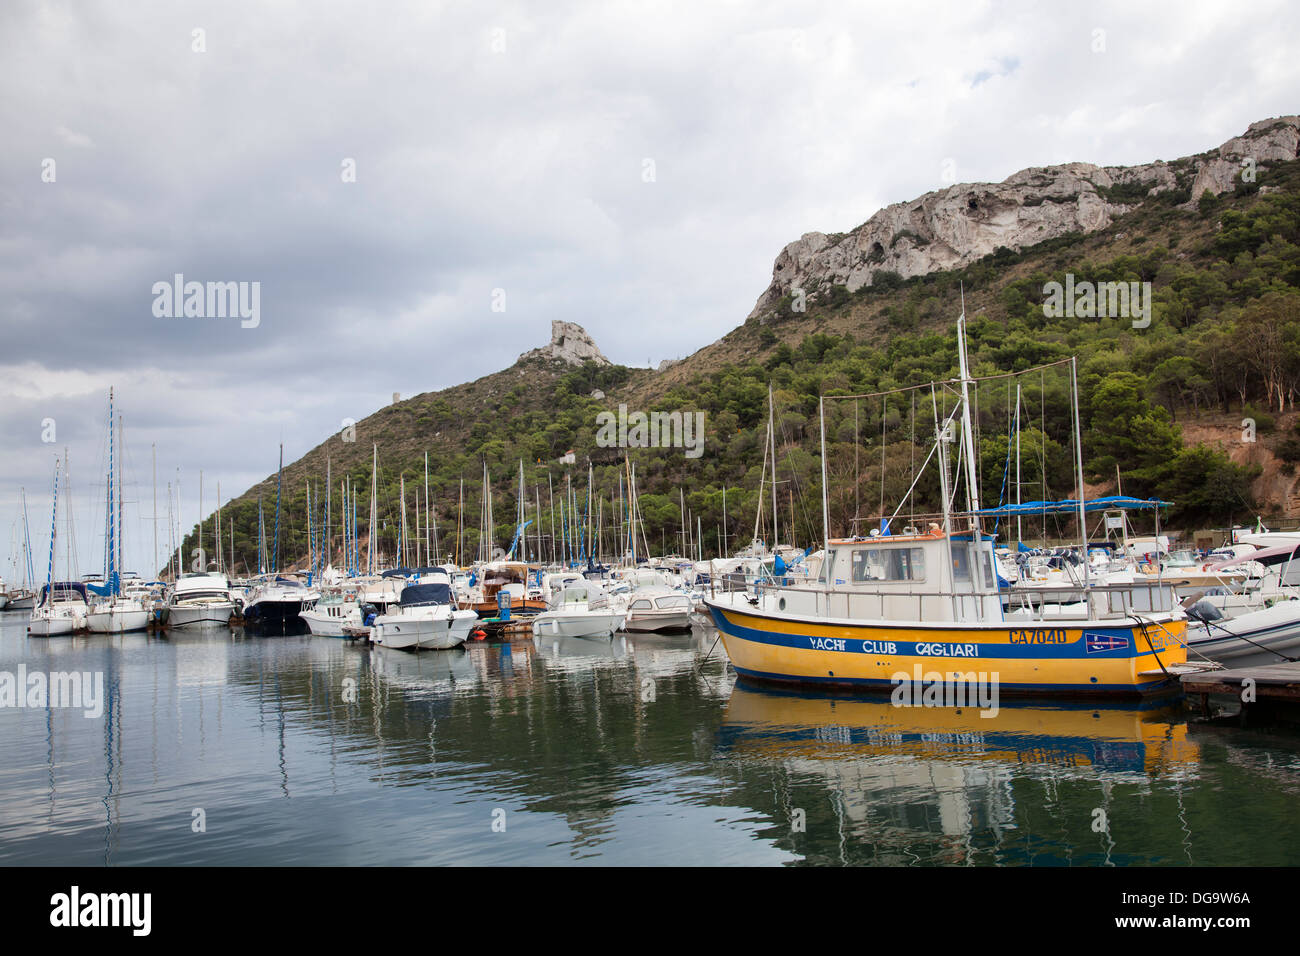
{"type": "Point", "coordinates": [641, 750]}
{"type": "Point", "coordinates": [736, 437]}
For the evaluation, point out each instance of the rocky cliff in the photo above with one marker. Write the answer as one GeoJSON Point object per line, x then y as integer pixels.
{"type": "Point", "coordinates": [954, 227]}
{"type": "Point", "coordinates": [570, 344]}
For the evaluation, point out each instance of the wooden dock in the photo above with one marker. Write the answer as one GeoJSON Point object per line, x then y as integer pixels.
{"type": "Point", "coordinates": [1267, 687]}
{"type": "Point", "coordinates": [515, 629]}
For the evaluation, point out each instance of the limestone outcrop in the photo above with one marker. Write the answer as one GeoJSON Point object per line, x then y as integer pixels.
{"type": "Point", "coordinates": [952, 227]}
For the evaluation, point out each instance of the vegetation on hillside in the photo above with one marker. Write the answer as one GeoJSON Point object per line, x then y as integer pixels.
{"type": "Point", "coordinates": [1224, 339]}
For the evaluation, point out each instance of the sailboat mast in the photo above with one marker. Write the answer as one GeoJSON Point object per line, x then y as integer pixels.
{"type": "Point", "coordinates": [1019, 534]}
{"type": "Point", "coordinates": [968, 435]}
{"type": "Point", "coordinates": [275, 566]}
{"type": "Point", "coordinates": [1078, 461]}
{"type": "Point", "coordinates": [771, 431]}
{"type": "Point", "coordinates": [403, 547]}
{"type": "Point", "coordinates": [374, 494]}
{"type": "Point", "coordinates": [54, 533]}
{"type": "Point", "coordinates": [120, 525]}
{"type": "Point", "coordinates": [110, 565]}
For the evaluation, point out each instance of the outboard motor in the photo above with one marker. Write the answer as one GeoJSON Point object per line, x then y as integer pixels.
{"type": "Point", "coordinates": [1204, 612]}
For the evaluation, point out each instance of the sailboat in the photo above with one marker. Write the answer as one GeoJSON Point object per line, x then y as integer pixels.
{"type": "Point", "coordinates": [61, 607]}
{"type": "Point", "coordinates": [925, 606]}
{"type": "Point", "coordinates": [274, 603]}
{"type": "Point", "coordinates": [115, 612]}
{"type": "Point", "coordinates": [23, 598]}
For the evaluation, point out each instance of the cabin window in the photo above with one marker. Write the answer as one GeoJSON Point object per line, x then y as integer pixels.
{"type": "Point", "coordinates": [888, 564]}
{"type": "Point", "coordinates": [960, 563]}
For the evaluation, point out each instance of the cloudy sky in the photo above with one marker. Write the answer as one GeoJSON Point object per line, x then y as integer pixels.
{"type": "Point", "coordinates": [383, 169]}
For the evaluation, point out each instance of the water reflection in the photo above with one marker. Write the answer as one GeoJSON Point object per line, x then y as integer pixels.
{"type": "Point", "coordinates": [633, 749]}
{"type": "Point", "coordinates": [945, 785]}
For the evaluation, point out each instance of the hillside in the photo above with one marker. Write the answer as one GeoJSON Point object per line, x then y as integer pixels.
{"type": "Point", "coordinates": [1161, 404]}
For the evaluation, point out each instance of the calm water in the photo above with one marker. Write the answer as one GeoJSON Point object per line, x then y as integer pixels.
{"type": "Point", "coordinates": [639, 750]}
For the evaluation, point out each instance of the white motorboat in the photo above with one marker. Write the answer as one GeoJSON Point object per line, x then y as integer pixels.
{"type": "Point", "coordinates": [658, 609]}
{"type": "Point", "coordinates": [200, 598]}
{"type": "Point", "coordinates": [61, 610]}
{"type": "Point", "coordinates": [575, 616]}
{"type": "Point", "coordinates": [426, 617]}
{"type": "Point", "coordinates": [337, 608]}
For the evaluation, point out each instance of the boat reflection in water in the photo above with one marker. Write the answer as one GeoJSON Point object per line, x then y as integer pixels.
{"type": "Point", "coordinates": [1032, 783]}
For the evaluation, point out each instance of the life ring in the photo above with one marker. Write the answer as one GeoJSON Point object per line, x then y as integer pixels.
{"type": "Point", "coordinates": [478, 634]}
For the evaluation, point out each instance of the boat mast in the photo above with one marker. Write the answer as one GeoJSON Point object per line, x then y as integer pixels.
{"type": "Point", "coordinates": [54, 533]}
{"type": "Point", "coordinates": [968, 436]}
{"type": "Point", "coordinates": [28, 571]}
{"type": "Point", "coordinates": [278, 475]}
{"type": "Point", "coordinates": [1019, 533]}
{"type": "Point", "coordinates": [110, 565]}
{"type": "Point", "coordinates": [120, 524]}
{"type": "Point", "coordinates": [374, 494]}
{"type": "Point", "coordinates": [1078, 462]}
{"type": "Point", "coordinates": [771, 431]}
{"type": "Point", "coordinates": [826, 511]}
{"type": "Point", "coordinates": [762, 479]}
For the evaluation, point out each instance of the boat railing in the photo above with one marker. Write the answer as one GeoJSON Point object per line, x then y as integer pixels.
{"type": "Point", "coordinates": [1070, 602]}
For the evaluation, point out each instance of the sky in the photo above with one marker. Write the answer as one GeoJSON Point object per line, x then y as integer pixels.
{"type": "Point", "coordinates": [419, 189]}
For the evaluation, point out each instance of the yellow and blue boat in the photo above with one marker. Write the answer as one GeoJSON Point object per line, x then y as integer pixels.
{"type": "Point", "coordinates": [928, 608]}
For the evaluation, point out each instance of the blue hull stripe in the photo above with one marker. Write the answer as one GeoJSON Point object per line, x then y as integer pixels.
{"type": "Point", "coordinates": [951, 646]}
{"type": "Point", "coordinates": [887, 685]}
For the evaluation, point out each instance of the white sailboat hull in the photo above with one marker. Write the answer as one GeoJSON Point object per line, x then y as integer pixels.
{"type": "Point", "coordinates": [54, 623]}
{"type": "Point", "coordinates": [118, 620]}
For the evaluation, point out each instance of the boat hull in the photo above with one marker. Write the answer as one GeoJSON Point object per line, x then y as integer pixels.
{"type": "Point", "coordinates": [52, 626]}
{"type": "Point", "coordinates": [1054, 657]}
{"type": "Point", "coordinates": [594, 624]}
{"type": "Point", "coordinates": [650, 621]}
{"type": "Point", "coordinates": [187, 615]}
{"type": "Point", "coordinates": [275, 618]}
{"type": "Point", "coordinates": [322, 624]}
{"type": "Point", "coordinates": [435, 630]}
{"type": "Point", "coordinates": [118, 620]}
{"type": "Point", "coordinates": [1259, 638]}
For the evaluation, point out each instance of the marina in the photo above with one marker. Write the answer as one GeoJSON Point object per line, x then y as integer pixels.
{"type": "Point", "coordinates": [734, 436]}
{"type": "Point", "coordinates": [304, 750]}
